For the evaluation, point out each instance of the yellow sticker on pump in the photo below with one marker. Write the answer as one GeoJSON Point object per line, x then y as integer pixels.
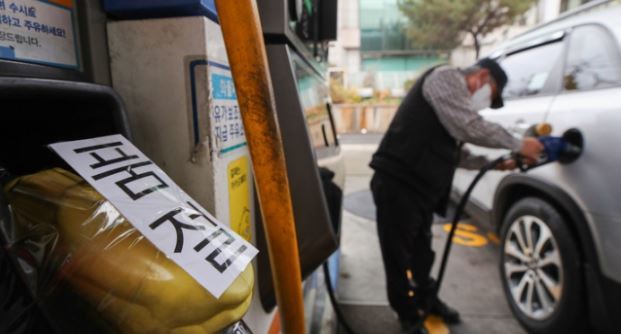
{"type": "Point", "coordinates": [239, 197]}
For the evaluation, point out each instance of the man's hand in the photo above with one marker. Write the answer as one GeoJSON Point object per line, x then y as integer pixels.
{"type": "Point", "coordinates": [531, 150]}
{"type": "Point", "coordinates": [508, 164]}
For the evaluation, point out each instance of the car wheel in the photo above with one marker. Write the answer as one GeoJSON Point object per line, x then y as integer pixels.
{"type": "Point", "coordinates": [540, 268]}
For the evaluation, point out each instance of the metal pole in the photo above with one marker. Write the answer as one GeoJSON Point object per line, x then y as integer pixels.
{"type": "Point", "coordinates": [243, 37]}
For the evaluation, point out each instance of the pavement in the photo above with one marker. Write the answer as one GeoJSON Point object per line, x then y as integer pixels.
{"type": "Point", "coordinates": [472, 284]}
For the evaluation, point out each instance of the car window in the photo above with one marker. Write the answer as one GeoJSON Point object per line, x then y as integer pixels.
{"type": "Point", "coordinates": [530, 71]}
{"type": "Point", "coordinates": [593, 60]}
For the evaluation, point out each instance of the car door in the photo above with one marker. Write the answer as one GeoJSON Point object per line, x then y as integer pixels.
{"type": "Point", "coordinates": [591, 102]}
{"type": "Point", "coordinates": [534, 72]}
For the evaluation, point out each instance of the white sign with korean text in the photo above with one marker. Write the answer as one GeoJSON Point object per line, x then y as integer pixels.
{"type": "Point", "coordinates": [38, 32]}
{"type": "Point", "coordinates": [177, 225]}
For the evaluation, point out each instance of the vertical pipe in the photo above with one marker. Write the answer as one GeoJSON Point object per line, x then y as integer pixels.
{"type": "Point", "coordinates": [243, 37]}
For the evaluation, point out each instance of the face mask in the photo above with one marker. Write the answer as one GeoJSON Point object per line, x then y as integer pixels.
{"type": "Point", "coordinates": [482, 98]}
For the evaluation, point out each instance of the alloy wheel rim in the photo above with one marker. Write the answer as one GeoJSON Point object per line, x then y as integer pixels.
{"type": "Point", "coordinates": [533, 268]}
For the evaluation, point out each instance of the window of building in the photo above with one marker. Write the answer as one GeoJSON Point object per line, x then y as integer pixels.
{"type": "Point", "coordinates": [593, 60]}
{"type": "Point", "coordinates": [530, 72]}
{"type": "Point", "coordinates": [382, 26]}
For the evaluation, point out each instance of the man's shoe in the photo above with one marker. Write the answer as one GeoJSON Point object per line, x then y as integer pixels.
{"type": "Point", "coordinates": [447, 313]}
{"type": "Point", "coordinates": [412, 327]}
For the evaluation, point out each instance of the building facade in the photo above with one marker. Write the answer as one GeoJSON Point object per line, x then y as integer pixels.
{"type": "Point", "coordinates": [372, 52]}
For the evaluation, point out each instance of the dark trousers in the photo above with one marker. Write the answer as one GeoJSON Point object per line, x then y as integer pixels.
{"type": "Point", "coordinates": [404, 230]}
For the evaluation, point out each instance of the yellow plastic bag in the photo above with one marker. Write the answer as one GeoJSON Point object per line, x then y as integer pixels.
{"type": "Point", "coordinates": [79, 241]}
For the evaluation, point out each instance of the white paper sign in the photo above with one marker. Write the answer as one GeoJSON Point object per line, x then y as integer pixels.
{"type": "Point", "coordinates": [178, 226]}
{"type": "Point", "coordinates": [39, 32]}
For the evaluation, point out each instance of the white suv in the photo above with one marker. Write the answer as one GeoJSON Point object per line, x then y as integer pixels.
{"type": "Point", "coordinates": [560, 225]}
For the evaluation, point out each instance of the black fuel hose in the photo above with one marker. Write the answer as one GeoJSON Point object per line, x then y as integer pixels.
{"type": "Point", "coordinates": [335, 304]}
{"type": "Point", "coordinates": [457, 217]}
{"type": "Point", "coordinates": [447, 248]}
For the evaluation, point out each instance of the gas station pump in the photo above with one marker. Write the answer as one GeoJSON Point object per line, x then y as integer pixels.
{"type": "Point", "coordinates": [173, 96]}
{"type": "Point", "coordinates": [69, 262]}
{"type": "Point", "coordinates": [185, 116]}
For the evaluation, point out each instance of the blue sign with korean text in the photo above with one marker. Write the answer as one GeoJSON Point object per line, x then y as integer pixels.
{"type": "Point", "coordinates": [223, 87]}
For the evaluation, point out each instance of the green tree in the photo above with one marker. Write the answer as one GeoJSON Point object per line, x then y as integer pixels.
{"type": "Point", "coordinates": [442, 24]}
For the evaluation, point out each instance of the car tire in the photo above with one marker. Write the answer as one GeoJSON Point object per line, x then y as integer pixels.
{"type": "Point", "coordinates": [540, 269]}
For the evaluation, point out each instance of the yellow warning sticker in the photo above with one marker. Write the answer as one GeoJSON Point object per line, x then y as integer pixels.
{"type": "Point", "coordinates": [239, 197]}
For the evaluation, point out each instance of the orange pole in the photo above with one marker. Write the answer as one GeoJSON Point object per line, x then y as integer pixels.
{"type": "Point", "coordinates": [241, 27]}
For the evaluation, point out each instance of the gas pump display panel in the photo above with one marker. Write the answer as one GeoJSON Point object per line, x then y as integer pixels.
{"type": "Point", "coordinates": [54, 39]}
{"type": "Point", "coordinates": [39, 32]}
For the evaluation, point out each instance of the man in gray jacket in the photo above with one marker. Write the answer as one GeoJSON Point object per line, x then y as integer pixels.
{"type": "Point", "coordinates": [414, 168]}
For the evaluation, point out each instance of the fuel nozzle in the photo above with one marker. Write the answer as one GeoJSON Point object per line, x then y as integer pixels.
{"type": "Point", "coordinates": [559, 149]}
{"type": "Point", "coordinates": [565, 149]}
{"type": "Point", "coordinates": [574, 145]}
